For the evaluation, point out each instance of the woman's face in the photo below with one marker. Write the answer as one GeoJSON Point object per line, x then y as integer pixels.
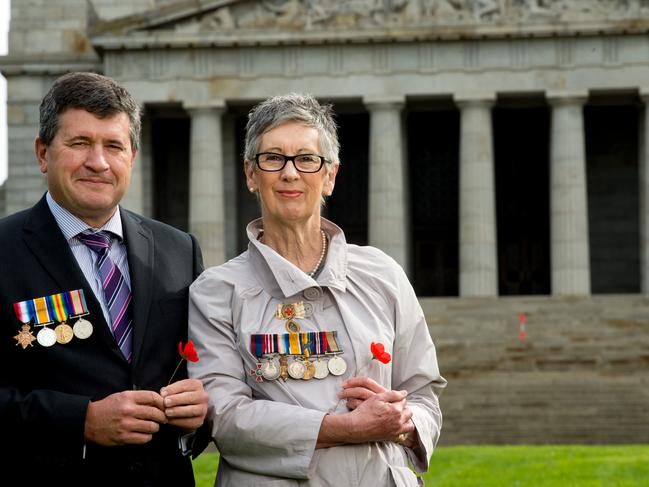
{"type": "Point", "coordinates": [289, 196]}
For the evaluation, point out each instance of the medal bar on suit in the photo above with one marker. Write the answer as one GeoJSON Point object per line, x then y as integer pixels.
{"type": "Point", "coordinates": [46, 310]}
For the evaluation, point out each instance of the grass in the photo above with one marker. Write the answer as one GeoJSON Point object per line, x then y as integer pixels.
{"type": "Point", "coordinates": [516, 466]}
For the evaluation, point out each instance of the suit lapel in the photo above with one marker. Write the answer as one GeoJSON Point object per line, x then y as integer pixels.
{"type": "Point", "coordinates": [140, 248]}
{"type": "Point", "coordinates": [43, 237]}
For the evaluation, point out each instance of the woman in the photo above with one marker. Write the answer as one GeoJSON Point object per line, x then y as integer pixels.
{"type": "Point", "coordinates": [284, 330]}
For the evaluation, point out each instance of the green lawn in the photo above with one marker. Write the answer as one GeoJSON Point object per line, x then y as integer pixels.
{"type": "Point", "coordinates": [516, 466]}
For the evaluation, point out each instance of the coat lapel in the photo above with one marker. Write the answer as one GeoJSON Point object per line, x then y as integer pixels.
{"type": "Point", "coordinates": [140, 248]}
{"type": "Point", "coordinates": [43, 237]}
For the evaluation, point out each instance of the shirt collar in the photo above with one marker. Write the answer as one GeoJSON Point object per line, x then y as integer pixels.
{"type": "Point", "coordinates": [71, 225]}
{"type": "Point", "coordinates": [290, 279]}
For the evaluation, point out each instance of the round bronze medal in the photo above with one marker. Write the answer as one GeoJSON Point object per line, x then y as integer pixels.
{"type": "Point", "coordinates": [64, 333]}
{"type": "Point", "coordinates": [309, 372]}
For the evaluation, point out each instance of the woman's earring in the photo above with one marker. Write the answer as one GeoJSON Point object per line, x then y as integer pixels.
{"type": "Point", "coordinates": [251, 189]}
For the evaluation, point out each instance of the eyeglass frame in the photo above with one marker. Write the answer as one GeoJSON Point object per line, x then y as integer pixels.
{"type": "Point", "coordinates": [292, 159]}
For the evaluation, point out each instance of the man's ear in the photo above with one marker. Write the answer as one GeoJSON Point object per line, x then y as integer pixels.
{"type": "Point", "coordinates": [40, 148]}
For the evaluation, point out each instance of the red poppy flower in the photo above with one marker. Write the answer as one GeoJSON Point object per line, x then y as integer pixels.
{"type": "Point", "coordinates": [379, 353]}
{"type": "Point", "coordinates": [188, 352]}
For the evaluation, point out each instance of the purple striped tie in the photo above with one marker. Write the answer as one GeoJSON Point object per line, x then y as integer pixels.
{"type": "Point", "coordinates": [116, 290]}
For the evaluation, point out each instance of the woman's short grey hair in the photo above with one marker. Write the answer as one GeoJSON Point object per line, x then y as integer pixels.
{"type": "Point", "coordinates": [96, 94]}
{"type": "Point", "coordinates": [293, 107]}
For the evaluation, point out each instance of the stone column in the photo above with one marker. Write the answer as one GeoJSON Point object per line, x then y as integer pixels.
{"type": "Point", "coordinates": [388, 215]}
{"type": "Point", "coordinates": [644, 192]}
{"type": "Point", "coordinates": [478, 257]}
{"type": "Point", "coordinates": [206, 201]}
{"type": "Point", "coordinates": [568, 198]}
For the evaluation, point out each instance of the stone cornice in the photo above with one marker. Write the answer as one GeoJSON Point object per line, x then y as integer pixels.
{"type": "Point", "coordinates": [47, 65]}
{"type": "Point", "coordinates": [249, 37]}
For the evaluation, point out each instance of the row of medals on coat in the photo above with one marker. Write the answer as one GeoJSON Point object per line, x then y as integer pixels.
{"type": "Point", "coordinates": [296, 354]}
{"type": "Point", "coordinates": [49, 315]}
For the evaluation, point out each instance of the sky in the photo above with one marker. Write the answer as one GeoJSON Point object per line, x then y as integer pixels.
{"type": "Point", "coordinates": [4, 28]}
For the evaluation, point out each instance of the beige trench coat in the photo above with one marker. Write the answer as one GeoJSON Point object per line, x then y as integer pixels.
{"type": "Point", "coordinates": [266, 431]}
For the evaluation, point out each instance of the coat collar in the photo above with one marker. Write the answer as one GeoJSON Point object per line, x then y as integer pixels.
{"type": "Point", "coordinates": [286, 278]}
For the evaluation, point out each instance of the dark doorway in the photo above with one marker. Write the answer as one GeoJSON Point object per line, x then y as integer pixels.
{"type": "Point", "coordinates": [347, 207]}
{"type": "Point", "coordinates": [613, 197]}
{"type": "Point", "coordinates": [433, 166]}
{"type": "Point", "coordinates": [170, 148]}
{"type": "Point", "coordinates": [521, 153]}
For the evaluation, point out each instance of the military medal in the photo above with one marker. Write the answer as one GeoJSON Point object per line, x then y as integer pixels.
{"type": "Point", "coordinates": [337, 365]}
{"type": "Point", "coordinates": [76, 301]}
{"type": "Point", "coordinates": [82, 329]}
{"type": "Point", "coordinates": [296, 369]}
{"type": "Point", "coordinates": [309, 373]}
{"type": "Point", "coordinates": [270, 369]}
{"type": "Point", "coordinates": [290, 311]}
{"type": "Point", "coordinates": [283, 367]}
{"type": "Point", "coordinates": [46, 337]}
{"type": "Point", "coordinates": [257, 373]}
{"type": "Point", "coordinates": [64, 333]}
{"type": "Point", "coordinates": [25, 337]}
{"type": "Point", "coordinates": [292, 326]}
{"type": "Point", "coordinates": [321, 369]}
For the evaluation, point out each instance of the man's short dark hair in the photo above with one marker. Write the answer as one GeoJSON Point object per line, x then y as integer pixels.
{"type": "Point", "coordinates": [97, 94]}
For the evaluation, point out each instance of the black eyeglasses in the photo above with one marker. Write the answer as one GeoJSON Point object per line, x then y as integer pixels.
{"type": "Point", "coordinates": [272, 162]}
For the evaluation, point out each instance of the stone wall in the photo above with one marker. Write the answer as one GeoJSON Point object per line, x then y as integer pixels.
{"type": "Point", "coordinates": [579, 377]}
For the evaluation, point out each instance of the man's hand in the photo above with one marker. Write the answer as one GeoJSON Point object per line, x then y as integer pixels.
{"type": "Point", "coordinates": [185, 404]}
{"type": "Point", "coordinates": [128, 417]}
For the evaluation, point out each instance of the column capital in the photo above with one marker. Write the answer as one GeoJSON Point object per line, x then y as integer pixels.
{"type": "Point", "coordinates": [643, 93]}
{"type": "Point", "coordinates": [566, 97]}
{"type": "Point", "coordinates": [216, 104]}
{"type": "Point", "coordinates": [373, 102]}
{"type": "Point", "coordinates": [475, 98]}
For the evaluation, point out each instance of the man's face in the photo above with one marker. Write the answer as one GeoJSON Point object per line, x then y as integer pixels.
{"type": "Point", "coordinates": [88, 163]}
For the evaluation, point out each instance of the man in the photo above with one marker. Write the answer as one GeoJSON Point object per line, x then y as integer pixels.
{"type": "Point", "coordinates": [93, 305]}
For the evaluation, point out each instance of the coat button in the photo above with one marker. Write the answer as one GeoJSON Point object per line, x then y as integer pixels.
{"type": "Point", "coordinates": [312, 293]}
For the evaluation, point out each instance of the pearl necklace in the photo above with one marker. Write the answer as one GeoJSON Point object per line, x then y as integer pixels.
{"type": "Point", "coordinates": [322, 254]}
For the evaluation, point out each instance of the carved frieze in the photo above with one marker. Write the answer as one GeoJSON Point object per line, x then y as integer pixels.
{"type": "Point", "coordinates": [319, 15]}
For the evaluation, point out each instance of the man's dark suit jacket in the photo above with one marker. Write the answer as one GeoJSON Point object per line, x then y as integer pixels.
{"type": "Point", "coordinates": [44, 391]}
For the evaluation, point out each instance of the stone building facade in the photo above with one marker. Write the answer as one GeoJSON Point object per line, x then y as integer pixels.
{"type": "Point", "coordinates": [495, 148]}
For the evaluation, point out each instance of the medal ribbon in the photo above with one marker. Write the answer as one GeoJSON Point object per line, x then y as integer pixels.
{"type": "Point", "coordinates": [56, 307]}
{"type": "Point", "coordinates": [25, 311]}
{"type": "Point", "coordinates": [304, 343]}
{"type": "Point", "coordinates": [75, 302]}
{"type": "Point", "coordinates": [42, 313]}
{"type": "Point", "coordinates": [332, 342]}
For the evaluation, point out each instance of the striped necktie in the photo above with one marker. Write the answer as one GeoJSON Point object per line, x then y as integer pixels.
{"type": "Point", "coordinates": [116, 291]}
